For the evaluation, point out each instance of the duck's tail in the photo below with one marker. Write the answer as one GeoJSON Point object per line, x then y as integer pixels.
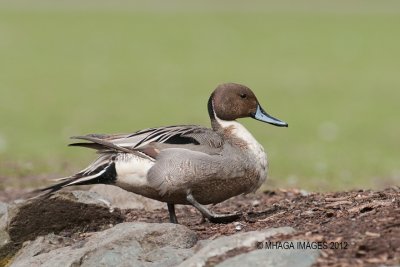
{"type": "Point", "coordinates": [101, 171]}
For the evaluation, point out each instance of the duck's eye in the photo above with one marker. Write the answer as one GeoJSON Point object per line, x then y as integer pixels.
{"type": "Point", "coordinates": [243, 95]}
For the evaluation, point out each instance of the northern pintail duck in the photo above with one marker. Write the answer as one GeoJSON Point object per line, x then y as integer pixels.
{"type": "Point", "coordinates": [184, 164]}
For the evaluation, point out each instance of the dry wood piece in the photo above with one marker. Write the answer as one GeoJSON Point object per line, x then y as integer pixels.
{"type": "Point", "coordinates": [371, 234]}
{"type": "Point", "coordinates": [370, 206]}
{"type": "Point", "coordinates": [332, 199]}
{"type": "Point", "coordinates": [338, 203]}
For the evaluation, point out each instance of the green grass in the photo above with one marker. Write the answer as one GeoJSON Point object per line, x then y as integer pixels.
{"type": "Point", "coordinates": [330, 71]}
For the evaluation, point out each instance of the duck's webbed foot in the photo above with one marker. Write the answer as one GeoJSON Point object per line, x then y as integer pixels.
{"type": "Point", "coordinates": [172, 215]}
{"type": "Point", "coordinates": [212, 217]}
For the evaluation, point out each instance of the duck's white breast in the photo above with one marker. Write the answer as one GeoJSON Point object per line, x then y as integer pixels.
{"type": "Point", "coordinates": [254, 148]}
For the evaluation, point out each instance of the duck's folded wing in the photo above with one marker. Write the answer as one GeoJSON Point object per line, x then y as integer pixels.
{"type": "Point", "coordinates": [194, 136]}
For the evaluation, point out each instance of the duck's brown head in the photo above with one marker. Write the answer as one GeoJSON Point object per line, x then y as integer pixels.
{"type": "Point", "coordinates": [231, 101]}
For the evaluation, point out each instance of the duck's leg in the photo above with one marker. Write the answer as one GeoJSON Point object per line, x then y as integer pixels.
{"type": "Point", "coordinates": [172, 215]}
{"type": "Point", "coordinates": [212, 217]}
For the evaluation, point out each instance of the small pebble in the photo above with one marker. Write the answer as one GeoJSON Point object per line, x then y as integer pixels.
{"type": "Point", "coordinates": [304, 193]}
{"type": "Point", "coordinates": [308, 212]}
{"type": "Point", "coordinates": [255, 203]}
{"type": "Point", "coordinates": [238, 226]}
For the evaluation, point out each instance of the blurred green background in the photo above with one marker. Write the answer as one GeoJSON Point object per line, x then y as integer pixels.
{"type": "Point", "coordinates": [331, 69]}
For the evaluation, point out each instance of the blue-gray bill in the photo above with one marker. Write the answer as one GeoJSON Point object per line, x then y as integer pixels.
{"type": "Point", "coordinates": [261, 115]}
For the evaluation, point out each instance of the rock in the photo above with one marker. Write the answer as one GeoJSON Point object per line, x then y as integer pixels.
{"type": "Point", "coordinates": [3, 218]}
{"type": "Point", "coordinates": [70, 212]}
{"type": "Point", "coordinates": [122, 199]}
{"type": "Point", "coordinates": [274, 258]}
{"type": "Point", "coordinates": [3, 209]}
{"type": "Point", "coordinates": [4, 237]}
{"type": "Point", "coordinates": [42, 245]}
{"type": "Point", "coordinates": [222, 245]}
{"type": "Point", "coordinates": [126, 244]}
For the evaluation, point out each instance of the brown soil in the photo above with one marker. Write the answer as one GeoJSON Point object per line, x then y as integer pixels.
{"type": "Point", "coordinates": [363, 225]}
{"type": "Point", "coordinates": [360, 228]}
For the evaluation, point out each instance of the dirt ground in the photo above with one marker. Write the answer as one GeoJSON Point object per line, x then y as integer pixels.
{"type": "Point", "coordinates": [360, 228]}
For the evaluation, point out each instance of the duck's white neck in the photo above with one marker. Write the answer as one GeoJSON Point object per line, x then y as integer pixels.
{"type": "Point", "coordinates": [239, 131]}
